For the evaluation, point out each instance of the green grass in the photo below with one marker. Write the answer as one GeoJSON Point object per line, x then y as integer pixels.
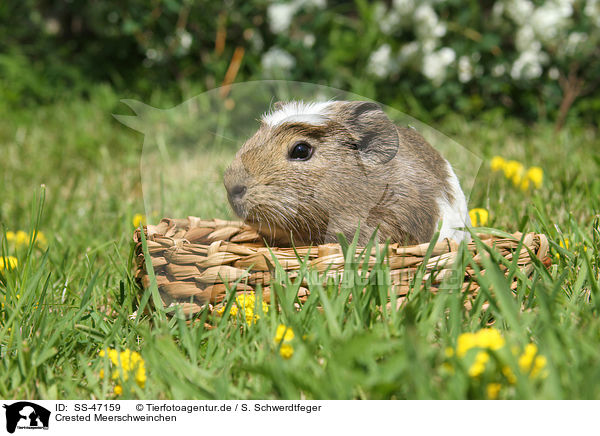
{"type": "Point", "coordinates": [68, 300]}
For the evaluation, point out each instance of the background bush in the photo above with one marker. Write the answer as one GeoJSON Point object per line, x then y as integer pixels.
{"type": "Point", "coordinates": [531, 59]}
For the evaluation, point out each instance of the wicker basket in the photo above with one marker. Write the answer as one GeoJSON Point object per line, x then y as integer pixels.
{"type": "Point", "coordinates": [193, 259]}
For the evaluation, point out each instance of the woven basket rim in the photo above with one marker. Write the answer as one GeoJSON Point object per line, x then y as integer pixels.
{"type": "Point", "coordinates": [195, 259]}
{"type": "Point", "coordinates": [166, 224]}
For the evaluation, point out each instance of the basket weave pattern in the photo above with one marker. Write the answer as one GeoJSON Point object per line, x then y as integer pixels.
{"type": "Point", "coordinates": [194, 259]}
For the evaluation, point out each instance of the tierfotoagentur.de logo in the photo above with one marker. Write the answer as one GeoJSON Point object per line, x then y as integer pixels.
{"type": "Point", "coordinates": [24, 415]}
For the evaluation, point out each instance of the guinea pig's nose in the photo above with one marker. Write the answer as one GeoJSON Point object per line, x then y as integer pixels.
{"type": "Point", "coordinates": [237, 192]}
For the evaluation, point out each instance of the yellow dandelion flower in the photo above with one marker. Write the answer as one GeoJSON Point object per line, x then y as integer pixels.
{"type": "Point", "coordinates": [41, 240]}
{"type": "Point", "coordinates": [113, 355]}
{"type": "Point", "coordinates": [232, 311]}
{"type": "Point", "coordinates": [535, 175]}
{"type": "Point", "coordinates": [124, 363]}
{"type": "Point", "coordinates": [509, 374]}
{"type": "Point", "coordinates": [517, 179]}
{"type": "Point", "coordinates": [538, 367]}
{"type": "Point", "coordinates": [497, 163]}
{"type": "Point", "coordinates": [140, 375]}
{"type": "Point", "coordinates": [250, 316]}
{"type": "Point", "coordinates": [513, 168]}
{"type": "Point", "coordinates": [118, 390]}
{"type": "Point", "coordinates": [101, 374]}
{"type": "Point", "coordinates": [246, 300]}
{"type": "Point", "coordinates": [479, 216]}
{"type": "Point", "coordinates": [478, 366]}
{"type": "Point", "coordinates": [449, 352]}
{"type": "Point", "coordinates": [490, 338]}
{"type": "Point", "coordinates": [485, 338]}
{"type": "Point", "coordinates": [465, 342]}
{"type": "Point", "coordinates": [493, 389]}
{"type": "Point", "coordinates": [284, 333]}
{"type": "Point", "coordinates": [10, 236]}
{"type": "Point", "coordinates": [526, 358]}
{"type": "Point", "coordinates": [286, 351]}
{"type": "Point", "coordinates": [566, 244]}
{"type": "Point", "coordinates": [21, 238]}
{"type": "Point", "coordinates": [9, 262]}
{"type": "Point", "coordinates": [476, 369]}
{"type": "Point", "coordinates": [524, 184]}
{"type": "Point", "coordinates": [531, 363]}
{"type": "Point", "coordinates": [139, 219]}
{"type": "Point", "coordinates": [247, 304]}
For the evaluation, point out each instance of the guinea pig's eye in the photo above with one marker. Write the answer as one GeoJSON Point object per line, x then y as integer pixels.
{"type": "Point", "coordinates": [301, 151]}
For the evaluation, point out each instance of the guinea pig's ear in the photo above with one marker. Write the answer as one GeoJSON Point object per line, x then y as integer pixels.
{"type": "Point", "coordinates": [376, 134]}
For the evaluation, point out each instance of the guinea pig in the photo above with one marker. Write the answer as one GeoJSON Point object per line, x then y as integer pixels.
{"type": "Point", "coordinates": [314, 170]}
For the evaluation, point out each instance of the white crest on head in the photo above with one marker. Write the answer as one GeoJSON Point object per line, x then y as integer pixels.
{"type": "Point", "coordinates": [298, 111]}
{"type": "Point", "coordinates": [456, 214]}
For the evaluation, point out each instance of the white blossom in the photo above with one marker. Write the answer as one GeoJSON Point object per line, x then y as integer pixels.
{"type": "Point", "coordinates": [257, 42]}
{"type": "Point", "coordinates": [380, 61]}
{"type": "Point", "coordinates": [528, 65]}
{"type": "Point", "coordinates": [52, 26]}
{"type": "Point", "coordinates": [573, 42]}
{"type": "Point", "coordinates": [408, 52]}
{"type": "Point", "coordinates": [465, 69]}
{"type": "Point", "coordinates": [435, 64]}
{"type": "Point", "coordinates": [319, 4]}
{"type": "Point", "coordinates": [309, 40]}
{"type": "Point", "coordinates": [498, 9]}
{"type": "Point", "coordinates": [425, 14]}
{"type": "Point", "coordinates": [151, 54]}
{"type": "Point", "coordinates": [380, 11]}
{"type": "Point", "coordinates": [553, 73]}
{"type": "Point", "coordinates": [592, 10]}
{"type": "Point", "coordinates": [429, 45]}
{"type": "Point", "coordinates": [439, 30]}
{"type": "Point", "coordinates": [525, 38]}
{"type": "Point", "coordinates": [404, 7]}
{"type": "Point", "coordinates": [519, 10]}
{"type": "Point", "coordinates": [498, 70]}
{"type": "Point", "coordinates": [185, 40]}
{"type": "Point", "coordinates": [389, 22]}
{"type": "Point", "coordinates": [427, 25]}
{"type": "Point", "coordinates": [277, 60]}
{"type": "Point", "coordinates": [280, 16]}
{"type": "Point", "coordinates": [550, 18]}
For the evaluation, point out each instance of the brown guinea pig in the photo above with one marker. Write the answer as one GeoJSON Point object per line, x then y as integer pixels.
{"type": "Point", "coordinates": [313, 170]}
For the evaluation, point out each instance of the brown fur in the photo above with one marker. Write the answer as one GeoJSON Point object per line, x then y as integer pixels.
{"type": "Point", "coordinates": [364, 171]}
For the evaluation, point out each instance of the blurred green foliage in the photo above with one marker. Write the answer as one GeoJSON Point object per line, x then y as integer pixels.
{"type": "Point", "coordinates": [531, 59]}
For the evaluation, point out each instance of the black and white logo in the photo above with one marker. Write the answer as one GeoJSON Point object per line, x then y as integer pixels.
{"type": "Point", "coordinates": [26, 415]}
